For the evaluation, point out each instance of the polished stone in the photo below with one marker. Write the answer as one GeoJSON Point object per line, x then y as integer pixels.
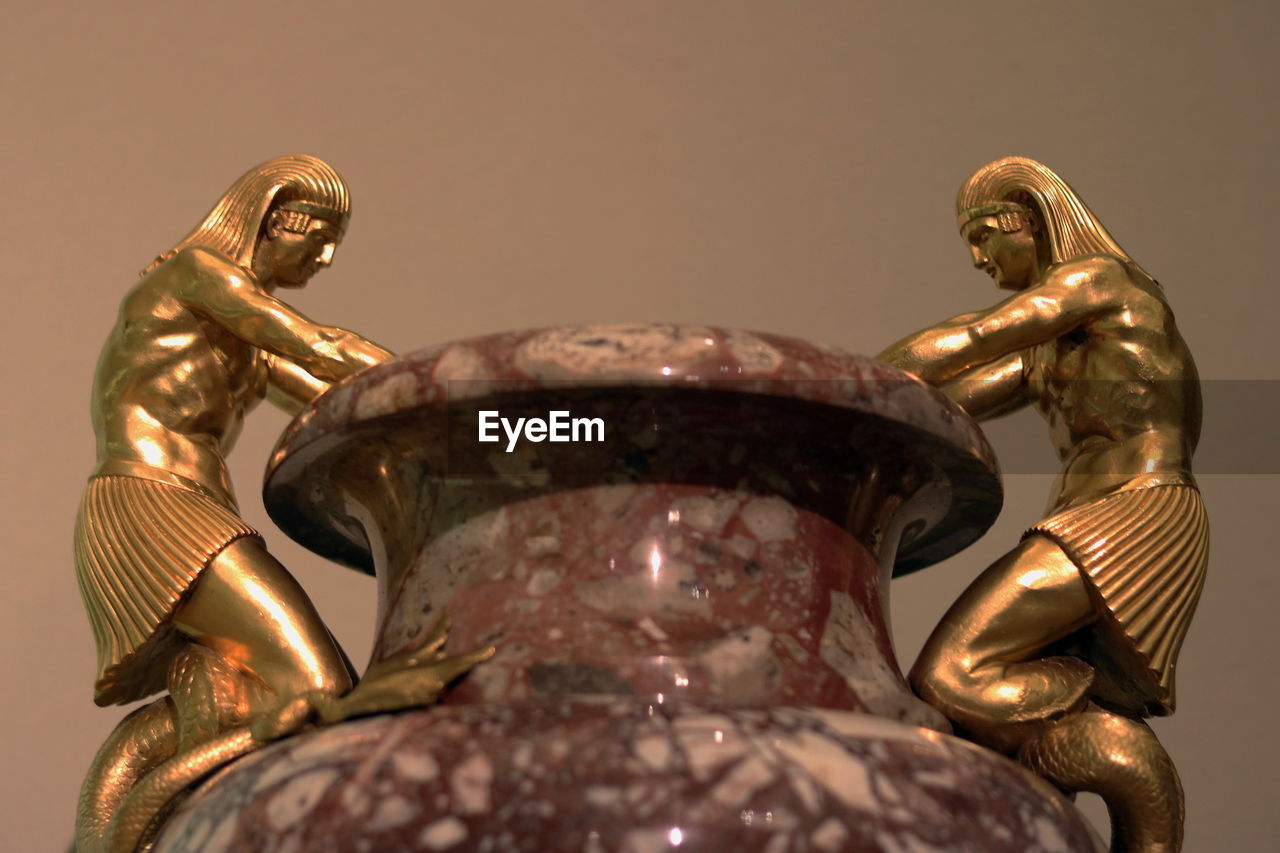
{"type": "Point", "coordinates": [690, 616]}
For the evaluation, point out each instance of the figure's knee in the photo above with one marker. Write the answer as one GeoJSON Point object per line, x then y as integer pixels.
{"type": "Point", "coordinates": [1001, 704]}
{"type": "Point", "coordinates": [985, 665]}
{"type": "Point", "coordinates": [967, 694]}
{"type": "Point", "coordinates": [247, 607]}
{"type": "Point", "coordinates": [941, 679]}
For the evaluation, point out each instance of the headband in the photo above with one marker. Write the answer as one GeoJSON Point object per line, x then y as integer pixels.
{"type": "Point", "coordinates": [1010, 214]}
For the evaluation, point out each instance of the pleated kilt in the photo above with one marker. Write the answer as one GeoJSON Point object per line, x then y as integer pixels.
{"type": "Point", "coordinates": [139, 545]}
{"type": "Point", "coordinates": [1145, 552]}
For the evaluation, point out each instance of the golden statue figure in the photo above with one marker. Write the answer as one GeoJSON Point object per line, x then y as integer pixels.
{"type": "Point", "coordinates": [1058, 650]}
{"type": "Point", "coordinates": [182, 594]}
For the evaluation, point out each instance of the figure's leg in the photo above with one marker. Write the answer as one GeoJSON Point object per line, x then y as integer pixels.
{"type": "Point", "coordinates": [257, 644]}
{"type": "Point", "coordinates": [982, 665]}
{"type": "Point", "coordinates": [249, 609]}
{"type": "Point", "coordinates": [258, 654]}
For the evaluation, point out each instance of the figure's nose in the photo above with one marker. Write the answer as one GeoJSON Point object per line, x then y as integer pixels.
{"type": "Point", "coordinates": [979, 256]}
{"type": "Point", "coordinates": [326, 255]}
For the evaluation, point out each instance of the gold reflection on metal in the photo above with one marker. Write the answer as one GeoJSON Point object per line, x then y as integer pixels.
{"type": "Point", "coordinates": [181, 593]}
{"type": "Point", "coordinates": [1057, 651]}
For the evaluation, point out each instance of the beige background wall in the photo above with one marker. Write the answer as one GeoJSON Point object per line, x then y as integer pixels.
{"type": "Point", "coordinates": [783, 166]}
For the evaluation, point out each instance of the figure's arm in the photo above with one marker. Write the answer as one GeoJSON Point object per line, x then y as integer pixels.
{"type": "Point", "coordinates": [990, 390]}
{"type": "Point", "coordinates": [1068, 295]}
{"type": "Point", "coordinates": [914, 353]}
{"type": "Point", "coordinates": [289, 387]}
{"type": "Point", "coordinates": [222, 292]}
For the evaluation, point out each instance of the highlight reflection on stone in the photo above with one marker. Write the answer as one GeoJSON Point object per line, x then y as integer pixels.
{"type": "Point", "coordinates": [689, 615]}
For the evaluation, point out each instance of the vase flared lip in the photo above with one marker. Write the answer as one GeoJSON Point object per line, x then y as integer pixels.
{"type": "Point", "coordinates": [616, 358]}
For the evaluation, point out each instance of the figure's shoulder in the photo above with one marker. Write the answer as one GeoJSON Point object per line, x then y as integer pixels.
{"type": "Point", "coordinates": [1097, 280]}
{"type": "Point", "coordinates": [196, 270]}
{"type": "Point", "coordinates": [202, 259]}
{"type": "Point", "coordinates": [1094, 269]}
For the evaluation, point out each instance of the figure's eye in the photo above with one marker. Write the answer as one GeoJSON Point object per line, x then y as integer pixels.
{"type": "Point", "coordinates": [979, 235]}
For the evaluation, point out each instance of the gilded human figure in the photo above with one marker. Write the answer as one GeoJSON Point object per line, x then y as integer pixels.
{"type": "Point", "coordinates": [182, 594]}
{"type": "Point", "coordinates": [161, 553]}
{"type": "Point", "coordinates": [1058, 650]}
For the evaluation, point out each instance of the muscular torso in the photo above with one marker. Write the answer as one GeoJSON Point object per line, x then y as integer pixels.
{"type": "Point", "coordinates": [172, 388]}
{"type": "Point", "coordinates": [1120, 394]}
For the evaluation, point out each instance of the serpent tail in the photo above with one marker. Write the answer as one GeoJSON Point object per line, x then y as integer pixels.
{"type": "Point", "coordinates": [1121, 760]}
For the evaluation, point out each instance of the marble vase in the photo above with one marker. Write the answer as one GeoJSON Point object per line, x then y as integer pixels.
{"type": "Point", "coordinates": [690, 612]}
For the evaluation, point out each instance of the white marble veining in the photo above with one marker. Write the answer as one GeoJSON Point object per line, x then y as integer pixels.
{"type": "Point", "coordinates": [849, 648]}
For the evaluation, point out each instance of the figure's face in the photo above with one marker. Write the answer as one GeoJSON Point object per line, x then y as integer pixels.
{"type": "Point", "coordinates": [290, 258]}
{"type": "Point", "coordinates": [1009, 257]}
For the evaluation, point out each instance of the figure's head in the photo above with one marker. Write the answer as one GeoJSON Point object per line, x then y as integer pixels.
{"type": "Point", "coordinates": [298, 240]}
{"type": "Point", "coordinates": [1011, 201]}
{"type": "Point", "coordinates": [288, 213]}
{"type": "Point", "coordinates": [1007, 243]}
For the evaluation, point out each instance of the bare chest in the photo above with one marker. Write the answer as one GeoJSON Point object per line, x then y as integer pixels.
{"type": "Point", "coordinates": [236, 365]}
{"type": "Point", "coordinates": [1056, 370]}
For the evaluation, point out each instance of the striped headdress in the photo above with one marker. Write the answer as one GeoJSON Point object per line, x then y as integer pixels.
{"type": "Point", "coordinates": [1072, 228]}
{"type": "Point", "coordinates": [295, 181]}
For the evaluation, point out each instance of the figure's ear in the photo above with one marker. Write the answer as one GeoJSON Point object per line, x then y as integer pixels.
{"type": "Point", "coordinates": [274, 225]}
{"type": "Point", "coordinates": [1034, 222]}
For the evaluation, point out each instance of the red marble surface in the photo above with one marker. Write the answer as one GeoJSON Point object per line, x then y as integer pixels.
{"type": "Point", "coordinates": [623, 775]}
{"type": "Point", "coordinates": [660, 590]}
{"type": "Point", "coordinates": [682, 403]}
{"type": "Point", "coordinates": [661, 602]}
{"type": "Point", "coordinates": [611, 356]}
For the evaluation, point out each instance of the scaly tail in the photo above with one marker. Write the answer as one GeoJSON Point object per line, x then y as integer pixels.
{"type": "Point", "coordinates": [160, 751]}
{"type": "Point", "coordinates": [149, 797]}
{"type": "Point", "coordinates": [141, 742]}
{"type": "Point", "coordinates": [1121, 760]}
{"type": "Point", "coordinates": [205, 697]}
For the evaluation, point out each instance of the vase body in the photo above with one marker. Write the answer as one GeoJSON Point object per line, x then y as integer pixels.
{"type": "Point", "coordinates": [689, 613]}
